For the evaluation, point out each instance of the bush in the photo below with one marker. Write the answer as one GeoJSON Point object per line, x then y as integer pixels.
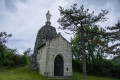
{"type": "Point", "coordinates": [76, 65]}
{"type": "Point", "coordinates": [9, 59]}
{"type": "Point", "coordinates": [100, 68]}
{"type": "Point", "coordinates": [115, 71]}
{"type": "Point", "coordinates": [103, 67]}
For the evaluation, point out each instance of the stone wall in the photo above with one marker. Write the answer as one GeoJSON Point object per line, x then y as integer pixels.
{"type": "Point", "coordinates": [41, 59]}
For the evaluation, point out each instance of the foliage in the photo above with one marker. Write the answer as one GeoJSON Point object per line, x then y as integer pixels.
{"type": "Point", "coordinates": [3, 39]}
{"type": "Point", "coordinates": [116, 59]}
{"type": "Point", "coordinates": [9, 57]}
{"type": "Point", "coordinates": [26, 56]}
{"type": "Point", "coordinates": [103, 67]}
{"type": "Point", "coordinates": [76, 65]}
{"type": "Point", "coordinates": [93, 50]}
{"type": "Point", "coordinates": [74, 19]}
{"type": "Point", "coordinates": [114, 36]}
{"type": "Point", "coordinates": [115, 71]}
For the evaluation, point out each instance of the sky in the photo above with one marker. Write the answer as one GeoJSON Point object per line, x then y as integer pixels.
{"type": "Point", "coordinates": [23, 18]}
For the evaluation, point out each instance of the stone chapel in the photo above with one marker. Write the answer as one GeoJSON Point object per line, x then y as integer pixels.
{"type": "Point", "coordinates": [52, 52]}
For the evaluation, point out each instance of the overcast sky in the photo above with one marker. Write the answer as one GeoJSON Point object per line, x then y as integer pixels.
{"type": "Point", "coordinates": [23, 18]}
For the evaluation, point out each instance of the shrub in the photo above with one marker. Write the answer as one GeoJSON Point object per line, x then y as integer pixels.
{"type": "Point", "coordinates": [104, 67]}
{"type": "Point", "coordinates": [115, 71]}
{"type": "Point", "coordinates": [76, 65]}
{"type": "Point", "coordinates": [9, 59]}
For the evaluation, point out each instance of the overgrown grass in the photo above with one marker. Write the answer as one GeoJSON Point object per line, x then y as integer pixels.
{"type": "Point", "coordinates": [25, 73]}
{"type": "Point", "coordinates": [20, 73]}
{"type": "Point", "coordinates": [80, 77]}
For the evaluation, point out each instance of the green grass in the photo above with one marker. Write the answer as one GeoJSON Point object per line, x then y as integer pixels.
{"type": "Point", "coordinates": [20, 73]}
{"type": "Point", "coordinates": [80, 77]}
{"type": "Point", "coordinates": [25, 73]}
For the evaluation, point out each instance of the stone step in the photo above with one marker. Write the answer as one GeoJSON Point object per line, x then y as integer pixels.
{"type": "Point", "coordinates": [61, 78]}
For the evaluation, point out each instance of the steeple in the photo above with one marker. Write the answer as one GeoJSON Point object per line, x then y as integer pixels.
{"type": "Point", "coordinates": [48, 16]}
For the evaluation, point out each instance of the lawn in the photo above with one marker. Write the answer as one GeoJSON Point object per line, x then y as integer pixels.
{"type": "Point", "coordinates": [80, 77]}
{"type": "Point", "coordinates": [25, 73]}
{"type": "Point", "coordinates": [21, 73]}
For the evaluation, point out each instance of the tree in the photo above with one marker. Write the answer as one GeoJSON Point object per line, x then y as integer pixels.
{"type": "Point", "coordinates": [92, 49]}
{"type": "Point", "coordinates": [114, 36]}
{"type": "Point", "coordinates": [76, 20]}
{"type": "Point", "coordinates": [3, 39]}
{"type": "Point", "coordinates": [94, 52]}
{"type": "Point", "coordinates": [26, 56]}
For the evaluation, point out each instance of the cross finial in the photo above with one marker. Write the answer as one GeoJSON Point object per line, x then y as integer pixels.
{"type": "Point", "coordinates": [48, 16]}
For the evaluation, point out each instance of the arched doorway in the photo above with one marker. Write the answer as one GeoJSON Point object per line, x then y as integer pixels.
{"type": "Point", "coordinates": [58, 66]}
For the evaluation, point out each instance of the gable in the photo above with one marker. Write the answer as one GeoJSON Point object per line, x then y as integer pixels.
{"type": "Point", "coordinates": [61, 38]}
{"type": "Point", "coordinates": [59, 43]}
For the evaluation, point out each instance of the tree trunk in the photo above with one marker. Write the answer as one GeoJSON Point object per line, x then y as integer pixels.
{"type": "Point", "coordinates": [83, 53]}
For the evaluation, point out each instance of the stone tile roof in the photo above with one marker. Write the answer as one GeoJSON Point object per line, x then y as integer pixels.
{"type": "Point", "coordinates": [47, 32]}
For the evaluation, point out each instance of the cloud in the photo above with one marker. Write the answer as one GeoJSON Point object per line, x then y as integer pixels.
{"type": "Point", "coordinates": [23, 18]}
{"type": "Point", "coordinates": [110, 5]}
{"type": "Point", "coordinates": [10, 5]}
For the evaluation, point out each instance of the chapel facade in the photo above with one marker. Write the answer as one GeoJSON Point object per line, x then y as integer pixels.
{"type": "Point", "coordinates": [52, 52]}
